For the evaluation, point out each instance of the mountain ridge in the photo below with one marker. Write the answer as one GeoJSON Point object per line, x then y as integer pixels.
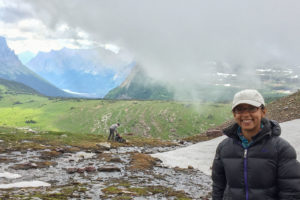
{"type": "Point", "coordinates": [11, 68]}
{"type": "Point", "coordinates": [91, 72]}
{"type": "Point", "coordinates": [138, 85]}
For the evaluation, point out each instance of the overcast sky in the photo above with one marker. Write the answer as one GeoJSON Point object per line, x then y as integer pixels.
{"type": "Point", "coordinates": [177, 40]}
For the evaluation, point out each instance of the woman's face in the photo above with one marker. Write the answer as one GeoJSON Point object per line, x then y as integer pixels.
{"type": "Point", "coordinates": [248, 117]}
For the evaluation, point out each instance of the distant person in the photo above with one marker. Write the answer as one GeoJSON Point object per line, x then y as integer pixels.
{"type": "Point", "coordinates": [112, 131]}
{"type": "Point", "coordinates": [254, 162]}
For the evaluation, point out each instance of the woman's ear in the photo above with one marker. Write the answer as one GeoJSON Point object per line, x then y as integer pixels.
{"type": "Point", "coordinates": [263, 111]}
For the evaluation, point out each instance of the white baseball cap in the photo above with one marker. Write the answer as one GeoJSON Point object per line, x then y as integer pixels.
{"type": "Point", "coordinates": [248, 96]}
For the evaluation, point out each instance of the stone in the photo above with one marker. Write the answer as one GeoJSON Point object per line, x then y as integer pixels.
{"type": "Point", "coordinates": [81, 170]}
{"type": "Point", "coordinates": [47, 155]}
{"type": "Point", "coordinates": [90, 169]}
{"type": "Point", "coordinates": [71, 170]}
{"type": "Point", "coordinates": [109, 168]}
{"type": "Point", "coordinates": [104, 146]}
{"type": "Point", "coordinates": [24, 166]}
{"type": "Point", "coordinates": [115, 160]}
{"type": "Point", "coordinates": [34, 165]}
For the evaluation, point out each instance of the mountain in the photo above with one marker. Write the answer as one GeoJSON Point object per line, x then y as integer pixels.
{"type": "Point", "coordinates": [272, 80]}
{"type": "Point", "coordinates": [88, 72]}
{"type": "Point", "coordinates": [12, 69]}
{"type": "Point", "coordinates": [25, 57]}
{"type": "Point", "coordinates": [13, 87]}
{"type": "Point", "coordinates": [138, 85]}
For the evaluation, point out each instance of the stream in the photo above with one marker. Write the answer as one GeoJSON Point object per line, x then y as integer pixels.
{"type": "Point", "coordinates": [97, 175]}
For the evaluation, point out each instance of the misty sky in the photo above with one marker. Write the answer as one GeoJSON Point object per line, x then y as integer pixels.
{"type": "Point", "coordinates": [174, 40]}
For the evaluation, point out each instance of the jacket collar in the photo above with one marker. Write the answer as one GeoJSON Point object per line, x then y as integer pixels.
{"type": "Point", "coordinates": [270, 128]}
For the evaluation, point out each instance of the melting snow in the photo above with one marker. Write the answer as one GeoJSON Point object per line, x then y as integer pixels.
{"type": "Point", "coordinates": [25, 184]}
{"type": "Point", "coordinates": [201, 155]}
{"type": "Point", "coordinates": [9, 175]}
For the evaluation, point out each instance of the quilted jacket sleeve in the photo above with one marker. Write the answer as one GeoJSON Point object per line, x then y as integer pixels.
{"type": "Point", "coordinates": [288, 171]}
{"type": "Point", "coordinates": [218, 176]}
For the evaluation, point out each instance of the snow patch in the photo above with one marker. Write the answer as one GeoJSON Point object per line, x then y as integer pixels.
{"type": "Point", "coordinates": [9, 175]}
{"type": "Point", "coordinates": [201, 155]}
{"type": "Point", "coordinates": [25, 184]}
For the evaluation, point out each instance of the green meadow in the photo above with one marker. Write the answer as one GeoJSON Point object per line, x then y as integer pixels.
{"type": "Point", "coordinates": [158, 119]}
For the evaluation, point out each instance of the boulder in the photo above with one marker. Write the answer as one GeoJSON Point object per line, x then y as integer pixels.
{"type": "Point", "coordinates": [104, 146]}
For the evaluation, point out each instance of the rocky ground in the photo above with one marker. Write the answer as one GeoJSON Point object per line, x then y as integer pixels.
{"type": "Point", "coordinates": [104, 172]}
{"type": "Point", "coordinates": [285, 109]}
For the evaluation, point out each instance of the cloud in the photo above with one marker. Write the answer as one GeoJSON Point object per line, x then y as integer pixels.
{"type": "Point", "coordinates": [178, 40]}
{"type": "Point", "coordinates": [13, 11]}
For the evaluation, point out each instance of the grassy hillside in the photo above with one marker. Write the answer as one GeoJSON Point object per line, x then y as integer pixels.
{"type": "Point", "coordinates": [12, 87]}
{"type": "Point", "coordinates": [139, 85]}
{"type": "Point", "coordinates": [161, 119]}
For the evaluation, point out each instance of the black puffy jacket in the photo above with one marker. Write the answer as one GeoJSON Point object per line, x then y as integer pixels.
{"type": "Point", "coordinates": [266, 170]}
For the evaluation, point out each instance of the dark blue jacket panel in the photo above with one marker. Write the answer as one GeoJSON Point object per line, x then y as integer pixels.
{"type": "Point", "coordinates": [267, 170]}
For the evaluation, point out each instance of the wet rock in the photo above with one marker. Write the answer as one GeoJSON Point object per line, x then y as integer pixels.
{"type": "Point", "coordinates": [104, 146]}
{"type": "Point", "coordinates": [190, 167]}
{"type": "Point", "coordinates": [98, 151]}
{"type": "Point", "coordinates": [71, 170]}
{"type": "Point", "coordinates": [72, 149]}
{"type": "Point", "coordinates": [118, 160]}
{"type": "Point", "coordinates": [61, 150]}
{"type": "Point", "coordinates": [90, 169]}
{"type": "Point", "coordinates": [81, 170]}
{"type": "Point", "coordinates": [34, 165]}
{"type": "Point", "coordinates": [109, 168]}
{"type": "Point", "coordinates": [47, 155]}
{"type": "Point", "coordinates": [5, 160]}
{"type": "Point", "coordinates": [24, 166]}
{"type": "Point", "coordinates": [45, 164]}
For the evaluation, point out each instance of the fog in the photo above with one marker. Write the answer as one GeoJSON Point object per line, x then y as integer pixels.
{"type": "Point", "coordinates": [182, 42]}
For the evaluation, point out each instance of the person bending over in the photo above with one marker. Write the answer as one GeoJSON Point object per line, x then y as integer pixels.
{"type": "Point", "coordinates": [112, 131]}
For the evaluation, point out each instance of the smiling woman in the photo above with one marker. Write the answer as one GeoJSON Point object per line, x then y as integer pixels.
{"type": "Point", "coordinates": [254, 163]}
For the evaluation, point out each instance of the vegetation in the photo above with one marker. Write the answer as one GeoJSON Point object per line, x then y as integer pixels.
{"type": "Point", "coordinates": [158, 119]}
{"type": "Point", "coordinates": [13, 139]}
{"type": "Point", "coordinates": [140, 86]}
{"type": "Point", "coordinates": [126, 191]}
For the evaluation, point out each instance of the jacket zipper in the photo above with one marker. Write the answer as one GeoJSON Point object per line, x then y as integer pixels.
{"type": "Point", "coordinates": [246, 173]}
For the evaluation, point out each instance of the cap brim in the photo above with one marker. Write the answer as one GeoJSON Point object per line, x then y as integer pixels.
{"type": "Point", "coordinates": [253, 103]}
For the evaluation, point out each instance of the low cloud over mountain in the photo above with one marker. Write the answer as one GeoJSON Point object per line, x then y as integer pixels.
{"type": "Point", "coordinates": [88, 72]}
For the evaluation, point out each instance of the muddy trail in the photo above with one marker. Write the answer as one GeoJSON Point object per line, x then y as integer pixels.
{"type": "Point", "coordinates": [103, 173]}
